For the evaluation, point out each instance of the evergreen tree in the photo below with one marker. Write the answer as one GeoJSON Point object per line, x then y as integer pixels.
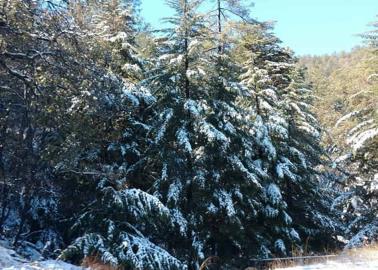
{"type": "Point", "coordinates": [281, 106]}
{"type": "Point", "coordinates": [117, 221]}
{"type": "Point", "coordinates": [223, 11]}
{"type": "Point", "coordinates": [207, 148]}
{"type": "Point", "coordinates": [28, 195]}
{"type": "Point", "coordinates": [111, 28]}
{"type": "Point", "coordinates": [212, 157]}
{"type": "Point", "coordinates": [79, 130]}
{"type": "Point", "coordinates": [309, 199]}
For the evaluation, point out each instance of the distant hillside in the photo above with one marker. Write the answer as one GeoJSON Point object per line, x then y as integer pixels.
{"type": "Point", "coordinates": [343, 83]}
{"type": "Point", "coordinates": [347, 107]}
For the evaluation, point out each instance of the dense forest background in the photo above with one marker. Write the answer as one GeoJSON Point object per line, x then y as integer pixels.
{"type": "Point", "coordinates": [346, 105]}
{"type": "Point", "coordinates": [145, 149]}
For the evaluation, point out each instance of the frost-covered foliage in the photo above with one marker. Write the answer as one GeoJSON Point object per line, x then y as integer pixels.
{"type": "Point", "coordinates": [208, 174]}
{"type": "Point", "coordinates": [225, 155]}
{"type": "Point", "coordinates": [207, 148]}
{"type": "Point", "coordinates": [110, 31]}
{"type": "Point", "coordinates": [79, 132]}
{"type": "Point", "coordinates": [357, 152]}
{"type": "Point", "coordinates": [114, 230]}
{"type": "Point", "coordinates": [120, 223]}
{"type": "Point", "coordinates": [290, 135]}
{"type": "Point", "coordinates": [347, 107]}
{"type": "Point", "coordinates": [179, 64]}
{"type": "Point", "coordinates": [359, 200]}
{"type": "Point", "coordinates": [304, 151]}
{"type": "Point", "coordinates": [31, 64]}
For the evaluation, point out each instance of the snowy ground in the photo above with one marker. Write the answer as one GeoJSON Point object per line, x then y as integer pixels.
{"type": "Point", "coordinates": [338, 265]}
{"type": "Point", "coordinates": [9, 260]}
{"type": "Point", "coordinates": [358, 259]}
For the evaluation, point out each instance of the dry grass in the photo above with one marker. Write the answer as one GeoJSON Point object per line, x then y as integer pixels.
{"type": "Point", "coordinates": [292, 263]}
{"type": "Point", "coordinates": [295, 252]}
{"type": "Point", "coordinates": [367, 253]}
{"type": "Point", "coordinates": [208, 262]}
{"type": "Point", "coordinates": [94, 263]}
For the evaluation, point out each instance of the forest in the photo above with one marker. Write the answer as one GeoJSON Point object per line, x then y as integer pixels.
{"type": "Point", "coordinates": [204, 145]}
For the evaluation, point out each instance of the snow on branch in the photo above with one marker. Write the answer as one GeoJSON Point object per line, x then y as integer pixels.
{"type": "Point", "coordinates": [360, 140]}
{"type": "Point", "coordinates": [347, 117]}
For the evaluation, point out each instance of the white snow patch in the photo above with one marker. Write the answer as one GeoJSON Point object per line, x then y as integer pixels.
{"type": "Point", "coordinates": [148, 255]}
{"type": "Point", "coordinates": [280, 246]}
{"type": "Point", "coordinates": [168, 114]}
{"type": "Point", "coordinates": [198, 247]}
{"type": "Point", "coordinates": [239, 166]}
{"type": "Point", "coordinates": [9, 260]}
{"type": "Point", "coordinates": [283, 168]}
{"type": "Point", "coordinates": [132, 98]}
{"type": "Point", "coordinates": [225, 201]}
{"type": "Point", "coordinates": [360, 126]}
{"type": "Point", "coordinates": [174, 192]}
{"type": "Point", "coordinates": [181, 222]}
{"type": "Point", "coordinates": [270, 212]}
{"type": "Point", "coordinates": [260, 132]}
{"type": "Point", "coordinates": [338, 265]}
{"type": "Point", "coordinates": [192, 107]}
{"type": "Point", "coordinates": [274, 194]}
{"type": "Point", "coordinates": [359, 141]}
{"type": "Point", "coordinates": [183, 139]}
{"type": "Point", "coordinates": [294, 235]}
{"type": "Point", "coordinates": [346, 117]}
{"type": "Point", "coordinates": [212, 133]}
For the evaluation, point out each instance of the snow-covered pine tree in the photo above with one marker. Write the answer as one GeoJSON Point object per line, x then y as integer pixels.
{"type": "Point", "coordinates": [99, 194]}
{"type": "Point", "coordinates": [111, 27]}
{"type": "Point", "coordinates": [221, 13]}
{"type": "Point", "coordinates": [371, 37]}
{"type": "Point", "coordinates": [309, 198]}
{"type": "Point", "coordinates": [279, 108]}
{"type": "Point", "coordinates": [210, 159]}
{"type": "Point", "coordinates": [28, 196]}
{"type": "Point", "coordinates": [266, 68]}
{"type": "Point", "coordinates": [116, 221]}
{"type": "Point", "coordinates": [358, 201]}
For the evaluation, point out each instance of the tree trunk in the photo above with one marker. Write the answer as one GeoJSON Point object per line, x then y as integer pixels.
{"type": "Point", "coordinates": [186, 45]}
{"type": "Point", "coordinates": [220, 45]}
{"type": "Point", "coordinates": [3, 183]}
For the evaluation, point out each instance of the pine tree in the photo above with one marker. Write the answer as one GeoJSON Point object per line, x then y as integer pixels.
{"type": "Point", "coordinates": [116, 221]}
{"type": "Point", "coordinates": [309, 199]}
{"type": "Point", "coordinates": [223, 11]}
{"type": "Point", "coordinates": [281, 108]}
{"type": "Point", "coordinates": [211, 160]}
{"type": "Point", "coordinates": [28, 198]}
{"type": "Point", "coordinates": [120, 229]}
{"type": "Point", "coordinates": [208, 148]}
{"type": "Point", "coordinates": [111, 27]}
{"type": "Point", "coordinates": [80, 132]}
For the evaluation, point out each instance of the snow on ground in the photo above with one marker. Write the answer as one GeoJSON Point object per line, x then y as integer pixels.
{"type": "Point", "coordinates": [8, 257]}
{"type": "Point", "coordinates": [338, 265]}
{"type": "Point", "coordinates": [360, 260]}
{"type": "Point", "coordinates": [9, 260]}
{"type": "Point", "coordinates": [356, 259]}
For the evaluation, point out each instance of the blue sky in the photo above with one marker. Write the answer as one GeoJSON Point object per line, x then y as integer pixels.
{"type": "Point", "coordinates": [307, 26]}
